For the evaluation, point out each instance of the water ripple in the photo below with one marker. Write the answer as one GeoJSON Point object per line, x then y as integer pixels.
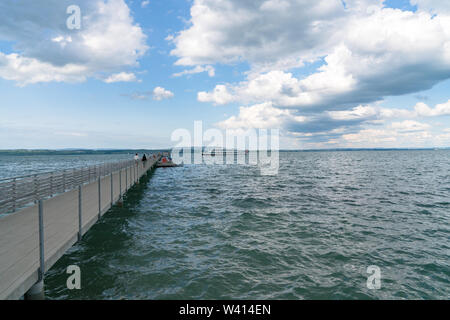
{"type": "Point", "coordinates": [223, 232]}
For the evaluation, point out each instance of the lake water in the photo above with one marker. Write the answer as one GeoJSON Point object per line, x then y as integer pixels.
{"type": "Point", "coordinates": [310, 232]}
{"type": "Point", "coordinates": [14, 166]}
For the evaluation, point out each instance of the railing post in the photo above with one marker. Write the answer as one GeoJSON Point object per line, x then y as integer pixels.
{"type": "Point", "coordinates": [64, 180]}
{"type": "Point", "coordinates": [14, 196]}
{"type": "Point", "coordinates": [112, 189]}
{"type": "Point", "coordinates": [36, 197]}
{"type": "Point", "coordinates": [51, 184]}
{"type": "Point", "coordinates": [99, 197]}
{"type": "Point", "coordinates": [120, 183]}
{"type": "Point", "coordinates": [126, 179]}
{"type": "Point", "coordinates": [36, 292]}
{"type": "Point", "coordinates": [120, 202]}
{"type": "Point", "coordinates": [41, 241]}
{"type": "Point", "coordinates": [80, 213]}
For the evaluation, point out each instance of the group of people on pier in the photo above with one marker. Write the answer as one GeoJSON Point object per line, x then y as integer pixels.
{"type": "Point", "coordinates": [144, 157]}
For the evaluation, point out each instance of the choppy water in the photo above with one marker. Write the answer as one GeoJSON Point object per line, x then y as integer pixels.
{"type": "Point", "coordinates": [226, 232]}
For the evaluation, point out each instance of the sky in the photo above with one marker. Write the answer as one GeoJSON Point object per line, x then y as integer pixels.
{"type": "Point", "coordinates": [326, 73]}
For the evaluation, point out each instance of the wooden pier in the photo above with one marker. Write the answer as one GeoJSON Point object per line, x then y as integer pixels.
{"type": "Point", "coordinates": [42, 216]}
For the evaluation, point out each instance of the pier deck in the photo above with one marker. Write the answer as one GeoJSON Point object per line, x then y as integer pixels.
{"type": "Point", "coordinates": [64, 222]}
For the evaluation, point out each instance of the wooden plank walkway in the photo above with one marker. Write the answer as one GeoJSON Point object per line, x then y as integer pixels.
{"type": "Point", "coordinates": [19, 232]}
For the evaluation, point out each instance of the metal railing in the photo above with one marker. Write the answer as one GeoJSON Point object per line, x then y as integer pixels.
{"type": "Point", "coordinates": [19, 192]}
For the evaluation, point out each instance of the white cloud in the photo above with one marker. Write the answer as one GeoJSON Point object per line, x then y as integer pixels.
{"type": "Point", "coordinates": [259, 31]}
{"type": "Point", "coordinates": [424, 110]}
{"type": "Point", "coordinates": [29, 70]}
{"type": "Point", "coordinates": [198, 69]}
{"type": "Point", "coordinates": [359, 112]}
{"type": "Point", "coordinates": [71, 134]}
{"type": "Point", "coordinates": [365, 52]}
{"type": "Point", "coordinates": [261, 116]}
{"type": "Point", "coordinates": [145, 3]}
{"type": "Point", "coordinates": [342, 128]}
{"type": "Point", "coordinates": [419, 110]}
{"type": "Point", "coordinates": [121, 77]}
{"type": "Point", "coordinates": [275, 5]}
{"type": "Point", "coordinates": [284, 90]}
{"type": "Point", "coordinates": [367, 68]}
{"type": "Point", "coordinates": [371, 136]}
{"type": "Point", "coordinates": [108, 41]}
{"type": "Point", "coordinates": [410, 126]}
{"type": "Point", "coordinates": [435, 6]}
{"type": "Point", "coordinates": [160, 93]}
{"type": "Point", "coordinates": [62, 40]}
{"type": "Point", "coordinates": [390, 137]}
{"type": "Point", "coordinates": [220, 95]}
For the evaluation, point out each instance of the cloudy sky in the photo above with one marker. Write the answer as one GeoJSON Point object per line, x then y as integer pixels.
{"type": "Point", "coordinates": [327, 73]}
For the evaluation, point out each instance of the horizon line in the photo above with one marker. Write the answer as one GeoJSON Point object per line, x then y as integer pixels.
{"type": "Point", "coordinates": [160, 149]}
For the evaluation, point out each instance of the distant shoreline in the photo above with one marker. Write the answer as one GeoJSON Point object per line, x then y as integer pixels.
{"type": "Point", "coordinates": [74, 152]}
{"type": "Point", "coordinates": [71, 152]}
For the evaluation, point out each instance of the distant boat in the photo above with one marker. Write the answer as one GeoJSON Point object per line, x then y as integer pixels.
{"type": "Point", "coordinates": [166, 162]}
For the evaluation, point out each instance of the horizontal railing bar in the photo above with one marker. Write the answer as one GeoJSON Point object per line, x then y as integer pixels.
{"type": "Point", "coordinates": [50, 172]}
{"type": "Point", "coordinates": [18, 192]}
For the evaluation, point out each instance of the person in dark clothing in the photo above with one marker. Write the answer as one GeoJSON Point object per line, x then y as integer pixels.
{"type": "Point", "coordinates": [144, 158]}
